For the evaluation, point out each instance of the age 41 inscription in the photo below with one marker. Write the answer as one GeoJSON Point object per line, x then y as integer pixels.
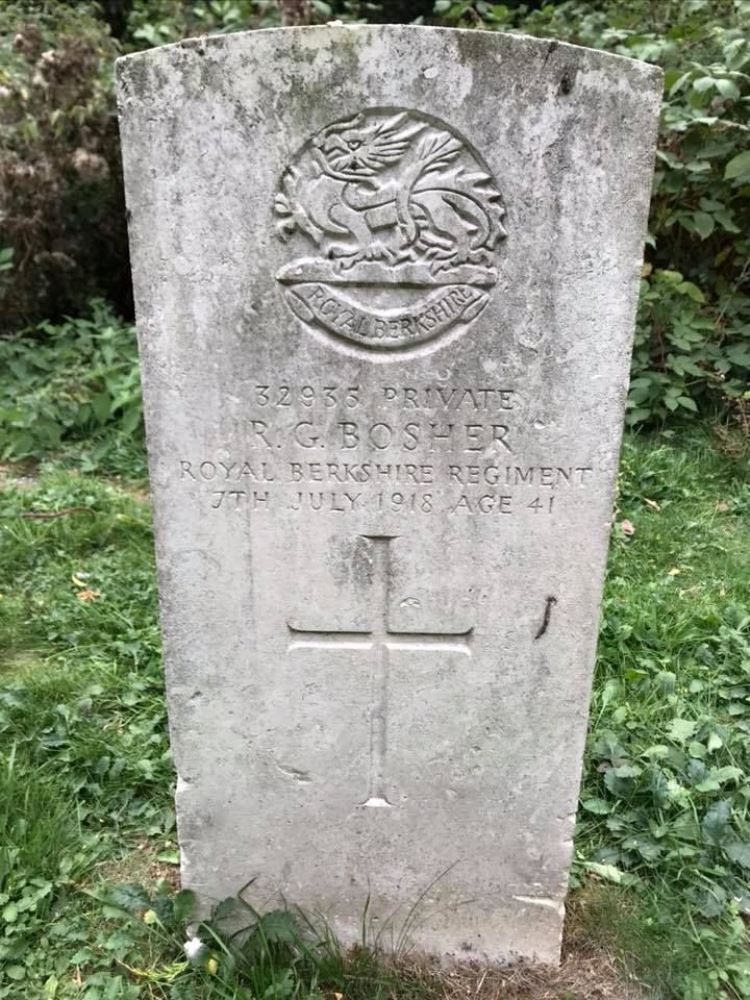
{"type": "Point", "coordinates": [342, 502]}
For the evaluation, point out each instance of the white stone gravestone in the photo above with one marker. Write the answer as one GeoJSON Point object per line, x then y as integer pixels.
{"type": "Point", "coordinates": [385, 282]}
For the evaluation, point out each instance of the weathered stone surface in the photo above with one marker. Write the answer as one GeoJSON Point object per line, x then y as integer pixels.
{"type": "Point", "coordinates": [385, 281]}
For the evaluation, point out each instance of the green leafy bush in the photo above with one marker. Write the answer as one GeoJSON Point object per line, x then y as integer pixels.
{"type": "Point", "coordinates": [76, 389]}
{"type": "Point", "coordinates": [157, 22]}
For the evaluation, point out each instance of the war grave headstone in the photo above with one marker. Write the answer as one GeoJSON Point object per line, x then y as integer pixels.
{"type": "Point", "coordinates": [385, 280]}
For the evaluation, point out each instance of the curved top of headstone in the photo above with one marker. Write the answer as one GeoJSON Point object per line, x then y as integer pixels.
{"type": "Point", "coordinates": [457, 41]}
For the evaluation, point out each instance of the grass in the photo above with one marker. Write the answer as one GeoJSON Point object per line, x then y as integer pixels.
{"type": "Point", "coordinates": [88, 904]}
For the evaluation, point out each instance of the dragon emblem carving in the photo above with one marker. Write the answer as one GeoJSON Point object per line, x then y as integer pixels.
{"type": "Point", "coordinates": [401, 223]}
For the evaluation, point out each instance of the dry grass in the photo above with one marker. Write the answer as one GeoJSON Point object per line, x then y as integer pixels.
{"type": "Point", "coordinates": [581, 977]}
{"type": "Point", "coordinates": [588, 970]}
{"type": "Point", "coordinates": [140, 866]}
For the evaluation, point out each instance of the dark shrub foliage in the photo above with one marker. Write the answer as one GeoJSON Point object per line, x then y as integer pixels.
{"type": "Point", "coordinates": [61, 206]}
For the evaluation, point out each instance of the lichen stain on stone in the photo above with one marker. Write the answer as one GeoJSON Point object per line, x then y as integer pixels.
{"type": "Point", "coordinates": [567, 80]}
{"type": "Point", "coordinates": [351, 563]}
{"type": "Point", "coordinates": [135, 78]}
{"type": "Point", "coordinates": [335, 64]}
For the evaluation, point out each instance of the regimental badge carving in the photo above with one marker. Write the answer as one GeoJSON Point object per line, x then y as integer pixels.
{"type": "Point", "coordinates": [398, 222]}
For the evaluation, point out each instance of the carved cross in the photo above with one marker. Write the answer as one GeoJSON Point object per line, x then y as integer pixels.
{"type": "Point", "coordinates": [380, 640]}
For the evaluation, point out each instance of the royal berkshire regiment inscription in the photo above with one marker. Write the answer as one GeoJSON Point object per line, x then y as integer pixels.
{"type": "Point", "coordinates": [434, 449]}
{"type": "Point", "coordinates": [403, 220]}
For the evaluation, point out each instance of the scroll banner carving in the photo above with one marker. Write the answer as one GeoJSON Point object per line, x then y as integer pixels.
{"type": "Point", "coordinates": [406, 220]}
{"type": "Point", "coordinates": [423, 321]}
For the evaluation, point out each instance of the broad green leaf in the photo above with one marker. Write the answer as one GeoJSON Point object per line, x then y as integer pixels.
{"type": "Point", "coordinates": [611, 691]}
{"type": "Point", "coordinates": [704, 224]}
{"type": "Point", "coordinates": [687, 403]}
{"type": "Point", "coordinates": [703, 83]}
{"type": "Point", "coordinates": [727, 88]}
{"type": "Point", "coordinates": [714, 741]}
{"type": "Point", "coordinates": [739, 354]}
{"type": "Point", "coordinates": [728, 773]}
{"type": "Point", "coordinates": [738, 166]}
{"type": "Point", "coordinates": [691, 290]}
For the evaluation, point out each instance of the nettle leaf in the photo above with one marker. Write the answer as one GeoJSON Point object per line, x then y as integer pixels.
{"type": "Point", "coordinates": [739, 852]}
{"type": "Point", "coordinates": [648, 849]}
{"type": "Point", "coordinates": [130, 897]}
{"type": "Point", "coordinates": [611, 692]}
{"type": "Point", "coordinates": [716, 822]}
{"type": "Point", "coordinates": [184, 904]}
{"type": "Point", "coordinates": [610, 873]}
{"type": "Point", "coordinates": [618, 784]}
{"type": "Point", "coordinates": [680, 730]}
{"type": "Point", "coordinates": [711, 901]}
{"type": "Point", "coordinates": [627, 770]}
{"type": "Point", "coordinates": [231, 908]}
{"type": "Point", "coordinates": [597, 806]}
{"type": "Point", "coordinates": [279, 925]}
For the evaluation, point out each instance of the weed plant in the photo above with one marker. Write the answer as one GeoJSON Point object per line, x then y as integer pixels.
{"type": "Point", "coordinates": [73, 390]}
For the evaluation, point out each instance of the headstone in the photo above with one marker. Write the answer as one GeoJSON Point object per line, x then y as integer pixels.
{"type": "Point", "coordinates": [385, 281]}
